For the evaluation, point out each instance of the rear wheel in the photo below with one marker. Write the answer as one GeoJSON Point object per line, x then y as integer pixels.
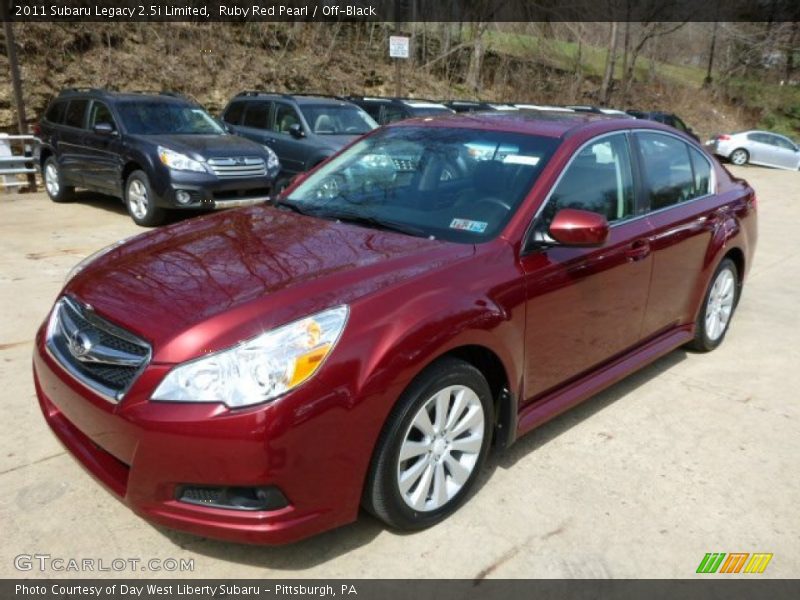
{"type": "Point", "coordinates": [140, 202]}
{"type": "Point", "coordinates": [717, 311]}
{"type": "Point", "coordinates": [432, 447]}
{"type": "Point", "coordinates": [53, 182]}
{"type": "Point", "coordinates": [740, 157]}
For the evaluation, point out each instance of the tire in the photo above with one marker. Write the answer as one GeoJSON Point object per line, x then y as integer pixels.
{"type": "Point", "coordinates": [440, 467]}
{"type": "Point", "coordinates": [140, 202]}
{"type": "Point", "coordinates": [718, 307]}
{"type": "Point", "coordinates": [739, 157]}
{"type": "Point", "coordinates": [54, 182]}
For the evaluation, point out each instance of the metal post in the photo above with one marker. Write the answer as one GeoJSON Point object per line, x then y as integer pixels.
{"type": "Point", "coordinates": [16, 80]}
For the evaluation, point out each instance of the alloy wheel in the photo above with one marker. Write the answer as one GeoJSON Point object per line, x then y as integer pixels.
{"type": "Point", "coordinates": [720, 304]}
{"type": "Point", "coordinates": [51, 181]}
{"type": "Point", "coordinates": [441, 448]}
{"type": "Point", "coordinates": [137, 199]}
{"type": "Point", "coordinates": [739, 157]}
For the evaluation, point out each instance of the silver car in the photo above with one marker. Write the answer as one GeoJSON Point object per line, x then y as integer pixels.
{"type": "Point", "coordinates": [758, 148]}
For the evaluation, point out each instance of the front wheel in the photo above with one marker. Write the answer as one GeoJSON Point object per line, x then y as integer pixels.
{"type": "Point", "coordinates": [432, 447]}
{"type": "Point", "coordinates": [717, 310]}
{"type": "Point", "coordinates": [140, 202]}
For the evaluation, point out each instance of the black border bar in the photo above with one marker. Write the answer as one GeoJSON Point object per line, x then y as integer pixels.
{"type": "Point", "coordinates": [715, 587]}
{"type": "Point", "coordinates": [403, 10]}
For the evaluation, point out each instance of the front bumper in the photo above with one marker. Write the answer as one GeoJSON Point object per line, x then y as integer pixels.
{"type": "Point", "coordinates": [145, 452]}
{"type": "Point", "coordinates": [210, 192]}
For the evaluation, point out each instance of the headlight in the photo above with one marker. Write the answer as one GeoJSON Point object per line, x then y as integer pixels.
{"type": "Point", "coordinates": [273, 164]}
{"type": "Point", "coordinates": [92, 257]}
{"type": "Point", "coordinates": [178, 161]}
{"type": "Point", "coordinates": [259, 369]}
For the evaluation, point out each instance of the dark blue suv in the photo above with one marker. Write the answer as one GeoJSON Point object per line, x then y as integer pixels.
{"type": "Point", "coordinates": [155, 151]}
{"type": "Point", "coordinates": [302, 129]}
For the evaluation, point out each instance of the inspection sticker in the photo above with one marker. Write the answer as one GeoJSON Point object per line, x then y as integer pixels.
{"type": "Point", "coordinates": [467, 225]}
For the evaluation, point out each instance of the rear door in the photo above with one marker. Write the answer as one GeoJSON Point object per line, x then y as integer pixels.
{"type": "Point", "coordinates": [586, 305]}
{"type": "Point", "coordinates": [71, 152]}
{"type": "Point", "coordinates": [677, 185]}
{"type": "Point", "coordinates": [254, 122]}
{"type": "Point", "coordinates": [102, 162]}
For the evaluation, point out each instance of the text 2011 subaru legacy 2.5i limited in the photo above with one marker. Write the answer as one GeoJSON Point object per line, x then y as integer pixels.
{"type": "Point", "coordinates": [437, 287]}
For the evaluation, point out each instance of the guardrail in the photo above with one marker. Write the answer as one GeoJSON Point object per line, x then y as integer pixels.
{"type": "Point", "coordinates": [16, 160]}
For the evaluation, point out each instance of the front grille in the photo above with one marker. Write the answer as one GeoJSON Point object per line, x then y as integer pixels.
{"type": "Point", "coordinates": [244, 166]}
{"type": "Point", "coordinates": [102, 356]}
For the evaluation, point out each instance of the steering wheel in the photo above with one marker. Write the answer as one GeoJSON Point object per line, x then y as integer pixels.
{"type": "Point", "coordinates": [331, 187]}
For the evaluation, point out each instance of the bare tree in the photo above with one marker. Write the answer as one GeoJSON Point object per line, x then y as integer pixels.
{"type": "Point", "coordinates": [611, 60]}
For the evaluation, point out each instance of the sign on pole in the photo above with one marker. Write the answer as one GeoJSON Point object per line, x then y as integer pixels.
{"type": "Point", "coordinates": [398, 46]}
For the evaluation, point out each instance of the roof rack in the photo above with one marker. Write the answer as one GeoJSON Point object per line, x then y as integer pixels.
{"type": "Point", "coordinates": [83, 90]}
{"type": "Point", "coordinates": [256, 93]}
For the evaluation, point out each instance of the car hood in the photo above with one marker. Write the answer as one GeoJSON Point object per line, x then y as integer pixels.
{"type": "Point", "coordinates": [201, 147]}
{"type": "Point", "coordinates": [220, 279]}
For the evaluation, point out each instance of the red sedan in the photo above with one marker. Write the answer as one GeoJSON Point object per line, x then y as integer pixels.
{"type": "Point", "coordinates": [439, 287]}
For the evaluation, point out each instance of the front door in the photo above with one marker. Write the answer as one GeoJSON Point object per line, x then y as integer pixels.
{"type": "Point", "coordinates": [586, 305]}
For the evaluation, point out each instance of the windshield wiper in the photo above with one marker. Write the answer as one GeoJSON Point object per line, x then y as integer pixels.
{"type": "Point", "coordinates": [378, 223]}
{"type": "Point", "coordinates": [277, 201]}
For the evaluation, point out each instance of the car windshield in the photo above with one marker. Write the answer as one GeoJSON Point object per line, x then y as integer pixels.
{"type": "Point", "coordinates": [338, 120]}
{"type": "Point", "coordinates": [454, 184]}
{"type": "Point", "coordinates": [155, 118]}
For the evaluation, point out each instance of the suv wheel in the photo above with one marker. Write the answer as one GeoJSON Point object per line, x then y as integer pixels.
{"type": "Point", "coordinates": [717, 310]}
{"type": "Point", "coordinates": [140, 203]}
{"type": "Point", "coordinates": [432, 447]}
{"type": "Point", "coordinates": [53, 183]}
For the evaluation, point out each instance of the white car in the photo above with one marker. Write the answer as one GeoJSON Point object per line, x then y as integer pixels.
{"type": "Point", "coordinates": [758, 148]}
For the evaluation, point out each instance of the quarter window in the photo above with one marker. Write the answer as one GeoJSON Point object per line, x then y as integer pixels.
{"type": "Point", "coordinates": [598, 180]}
{"type": "Point", "coordinates": [668, 174]}
{"type": "Point", "coordinates": [256, 115]}
{"type": "Point", "coordinates": [75, 113]}
{"type": "Point", "coordinates": [702, 173]}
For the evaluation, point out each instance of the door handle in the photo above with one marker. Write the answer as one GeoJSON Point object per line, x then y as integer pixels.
{"type": "Point", "coordinates": [638, 250]}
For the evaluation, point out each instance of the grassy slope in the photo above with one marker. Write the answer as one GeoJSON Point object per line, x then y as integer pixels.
{"type": "Point", "coordinates": [777, 107]}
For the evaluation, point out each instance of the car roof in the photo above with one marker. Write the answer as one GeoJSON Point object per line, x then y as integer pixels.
{"type": "Point", "coordinates": [97, 93]}
{"type": "Point", "coordinates": [531, 122]}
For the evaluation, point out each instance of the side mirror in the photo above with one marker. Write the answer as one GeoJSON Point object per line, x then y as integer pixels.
{"type": "Point", "coordinates": [572, 227]}
{"type": "Point", "coordinates": [296, 131]}
{"type": "Point", "coordinates": [104, 129]}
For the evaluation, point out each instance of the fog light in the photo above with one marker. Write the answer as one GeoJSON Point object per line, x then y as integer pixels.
{"type": "Point", "coordinates": [238, 498]}
{"type": "Point", "coordinates": [183, 197]}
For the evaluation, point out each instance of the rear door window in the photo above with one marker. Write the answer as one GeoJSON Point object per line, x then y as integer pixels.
{"type": "Point", "coordinates": [668, 175]}
{"type": "Point", "coordinates": [256, 115]}
{"type": "Point", "coordinates": [234, 113]}
{"type": "Point", "coordinates": [76, 113]}
{"type": "Point", "coordinates": [598, 180]}
{"type": "Point", "coordinates": [55, 113]}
